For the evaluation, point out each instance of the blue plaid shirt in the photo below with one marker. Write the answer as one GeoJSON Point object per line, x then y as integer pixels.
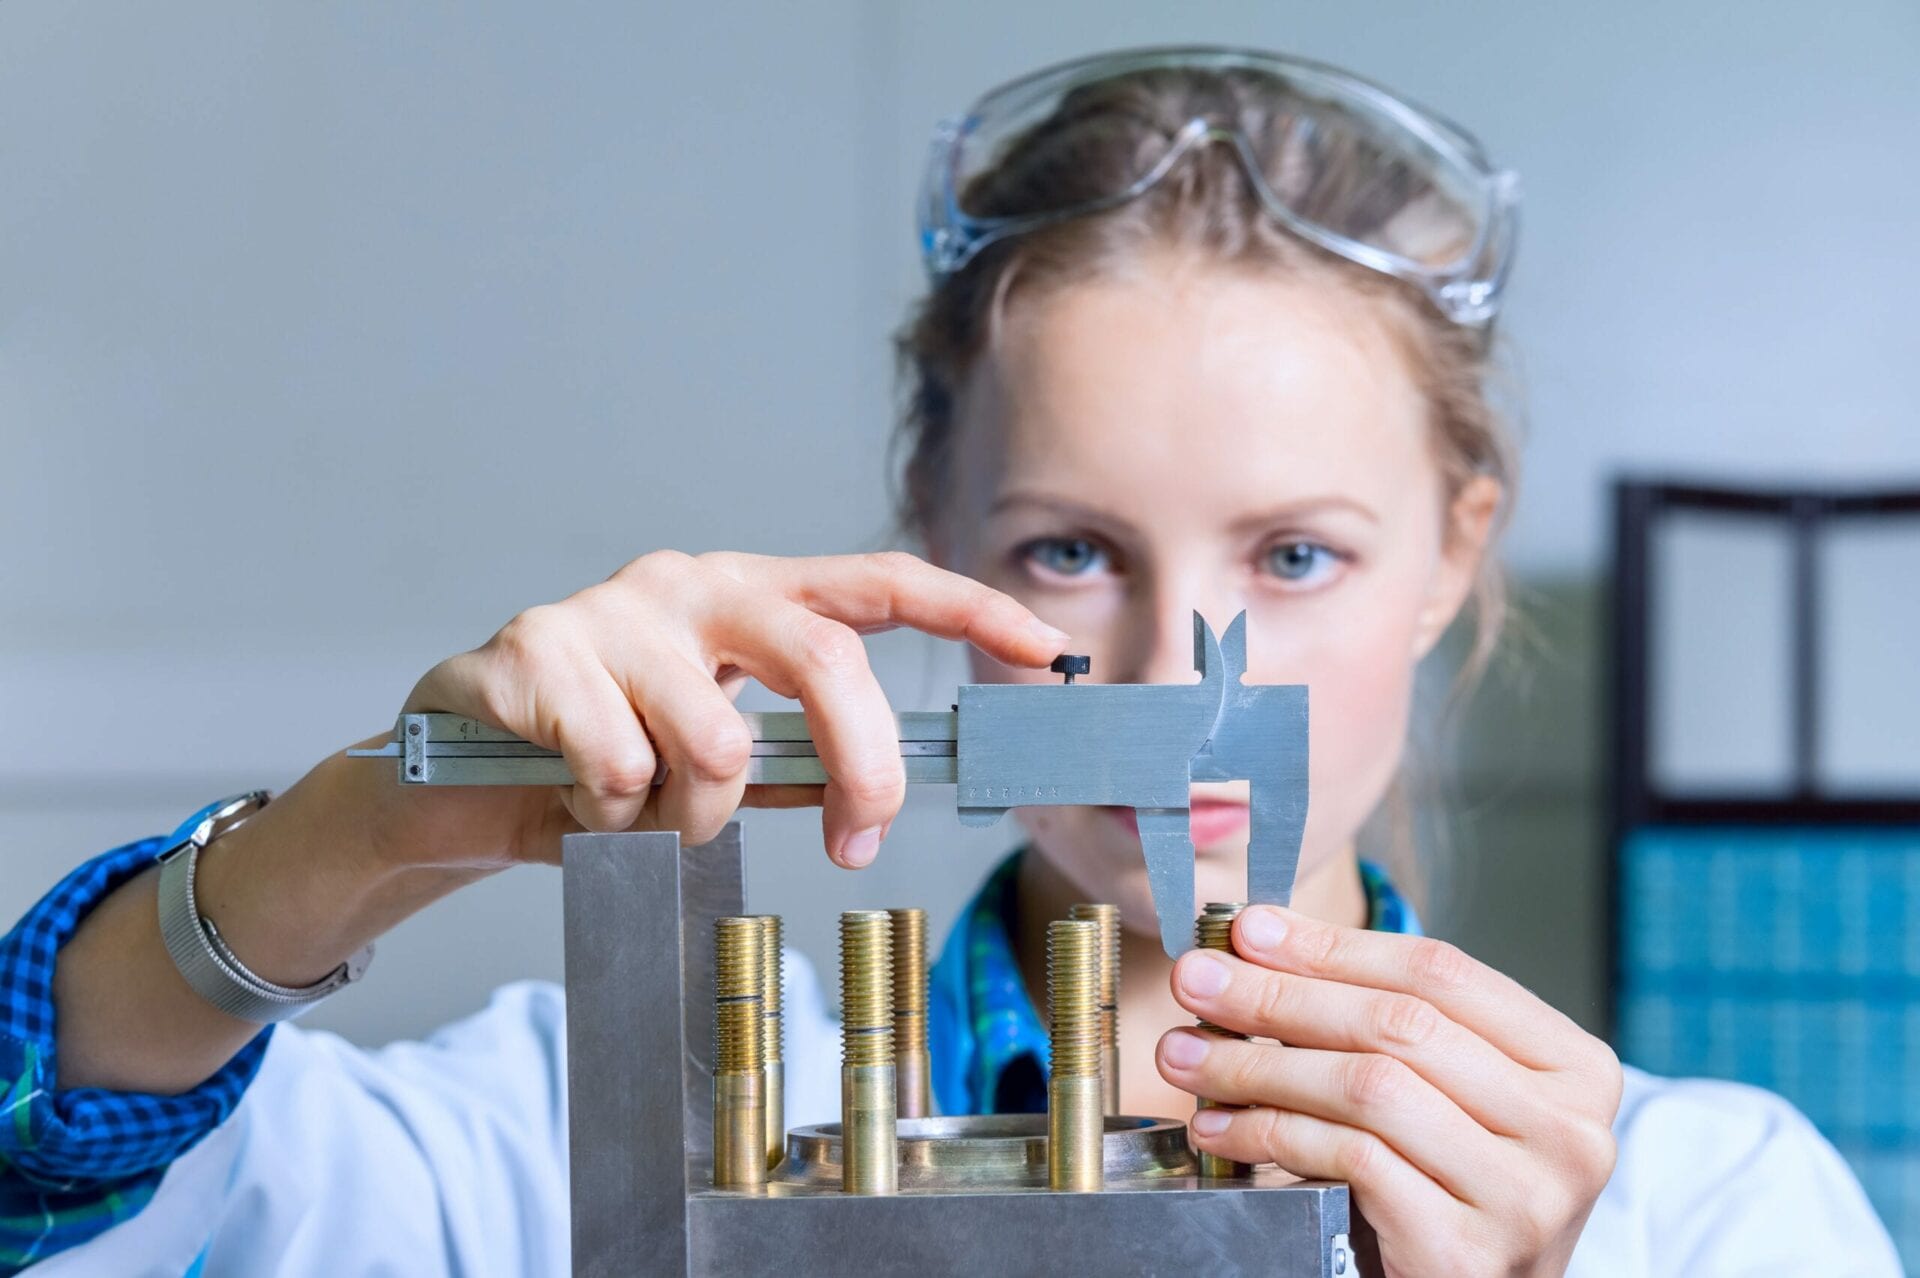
{"type": "Point", "coordinates": [74, 1162]}
{"type": "Point", "coordinates": [990, 1050]}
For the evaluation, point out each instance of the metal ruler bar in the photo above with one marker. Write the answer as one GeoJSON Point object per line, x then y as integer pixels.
{"type": "Point", "coordinates": [450, 749]}
{"type": "Point", "coordinates": [912, 725]}
{"type": "Point", "coordinates": [765, 725]}
{"type": "Point", "coordinates": [806, 750]}
{"type": "Point", "coordinates": [528, 750]}
{"type": "Point", "coordinates": [761, 770]}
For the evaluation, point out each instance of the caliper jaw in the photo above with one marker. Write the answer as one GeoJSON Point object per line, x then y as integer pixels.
{"type": "Point", "coordinates": [1261, 738]}
{"type": "Point", "coordinates": [1167, 843]}
{"type": "Point", "coordinates": [1141, 746]}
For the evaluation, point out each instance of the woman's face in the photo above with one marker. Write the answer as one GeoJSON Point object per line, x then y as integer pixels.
{"type": "Point", "coordinates": [1190, 436]}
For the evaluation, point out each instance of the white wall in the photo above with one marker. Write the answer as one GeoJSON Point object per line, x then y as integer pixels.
{"type": "Point", "coordinates": [330, 336]}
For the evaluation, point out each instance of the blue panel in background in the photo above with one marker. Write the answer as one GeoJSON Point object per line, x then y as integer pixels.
{"type": "Point", "coordinates": [1789, 959]}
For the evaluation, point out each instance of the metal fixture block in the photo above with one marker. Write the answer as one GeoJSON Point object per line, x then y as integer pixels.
{"type": "Point", "coordinates": [640, 914]}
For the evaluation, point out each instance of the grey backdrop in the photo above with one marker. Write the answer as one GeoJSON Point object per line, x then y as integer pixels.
{"type": "Point", "coordinates": [332, 335]}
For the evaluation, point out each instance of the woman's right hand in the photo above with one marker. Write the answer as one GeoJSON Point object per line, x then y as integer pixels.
{"type": "Point", "coordinates": [643, 668]}
{"type": "Point", "coordinates": [637, 670]}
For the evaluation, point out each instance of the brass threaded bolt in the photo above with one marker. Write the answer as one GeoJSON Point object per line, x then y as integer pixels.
{"type": "Point", "coordinates": [909, 961]}
{"type": "Point", "coordinates": [772, 1005]}
{"type": "Point", "coordinates": [1213, 930]}
{"type": "Point", "coordinates": [1076, 1121]}
{"type": "Point", "coordinates": [869, 1106]}
{"type": "Point", "coordinates": [1108, 919]}
{"type": "Point", "coordinates": [913, 1068]}
{"type": "Point", "coordinates": [866, 987]}
{"type": "Point", "coordinates": [773, 983]}
{"type": "Point", "coordinates": [739, 977]}
{"type": "Point", "coordinates": [1073, 986]}
{"type": "Point", "coordinates": [739, 1053]}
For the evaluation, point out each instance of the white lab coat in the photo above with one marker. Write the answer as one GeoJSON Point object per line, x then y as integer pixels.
{"type": "Point", "coordinates": [448, 1157]}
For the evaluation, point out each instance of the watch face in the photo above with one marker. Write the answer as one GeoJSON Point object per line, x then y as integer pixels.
{"type": "Point", "coordinates": [196, 828]}
{"type": "Point", "coordinates": [223, 815]}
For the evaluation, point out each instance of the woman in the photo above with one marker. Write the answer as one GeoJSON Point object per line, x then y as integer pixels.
{"type": "Point", "coordinates": [1207, 330]}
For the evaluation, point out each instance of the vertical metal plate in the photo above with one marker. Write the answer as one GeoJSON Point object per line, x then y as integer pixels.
{"type": "Point", "coordinates": [639, 1040]}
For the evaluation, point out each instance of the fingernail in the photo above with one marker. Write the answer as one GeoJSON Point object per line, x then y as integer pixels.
{"type": "Point", "coordinates": [1184, 1050]}
{"type": "Point", "coordinates": [1202, 975]}
{"type": "Point", "coordinates": [859, 849]}
{"type": "Point", "coordinates": [1263, 929]}
{"type": "Point", "coordinates": [1047, 634]}
{"type": "Point", "coordinates": [1210, 1122]}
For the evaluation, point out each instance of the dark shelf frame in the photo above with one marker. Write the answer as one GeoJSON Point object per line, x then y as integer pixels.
{"type": "Point", "coordinates": [1633, 800]}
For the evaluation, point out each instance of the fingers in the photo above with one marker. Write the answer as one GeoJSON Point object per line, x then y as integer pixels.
{"type": "Point", "coordinates": [822, 663]}
{"type": "Point", "coordinates": [1397, 1198]}
{"type": "Point", "coordinates": [611, 759]}
{"type": "Point", "coordinates": [538, 678]}
{"type": "Point", "coordinates": [881, 591]}
{"type": "Point", "coordinates": [1373, 1093]}
{"type": "Point", "coordinates": [1473, 995]}
{"type": "Point", "coordinates": [704, 741]}
{"type": "Point", "coordinates": [1499, 1094]}
{"type": "Point", "coordinates": [638, 673]}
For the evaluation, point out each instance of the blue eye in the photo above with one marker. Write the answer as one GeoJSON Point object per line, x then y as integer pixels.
{"type": "Point", "coordinates": [1067, 556]}
{"type": "Point", "coordinates": [1301, 560]}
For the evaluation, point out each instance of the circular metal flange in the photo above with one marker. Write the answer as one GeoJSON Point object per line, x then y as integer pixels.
{"type": "Point", "coordinates": [983, 1150]}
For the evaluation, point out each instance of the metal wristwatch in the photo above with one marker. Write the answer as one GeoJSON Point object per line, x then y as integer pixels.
{"type": "Point", "coordinates": [201, 953]}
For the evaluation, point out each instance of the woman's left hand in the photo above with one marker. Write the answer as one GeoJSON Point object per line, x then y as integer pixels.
{"type": "Point", "coordinates": [1472, 1121]}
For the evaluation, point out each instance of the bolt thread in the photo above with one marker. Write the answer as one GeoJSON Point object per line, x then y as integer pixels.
{"type": "Point", "coordinates": [909, 961]}
{"type": "Point", "coordinates": [866, 987]}
{"type": "Point", "coordinates": [739, 963]}
{"type": "Point", "coordinates": [1108, 919]}
{"type": "Point", "coordinates": [772, 985]}
{"type": "Point", "coordinates": [739, 974]}
{"type": "Point", "coordinates": [1213, 930]}
{"type": "Point", "coordinates": [1073, 986]}
{"type": "Point", "coordinates": [909, 980]}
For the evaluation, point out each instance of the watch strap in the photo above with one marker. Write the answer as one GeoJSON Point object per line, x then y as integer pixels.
{"type": "Point", "coordinates": [205, 960]}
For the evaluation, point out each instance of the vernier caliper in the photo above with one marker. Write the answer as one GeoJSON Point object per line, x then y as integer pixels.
{"type": "Point", "coordinates": [1129, 745]}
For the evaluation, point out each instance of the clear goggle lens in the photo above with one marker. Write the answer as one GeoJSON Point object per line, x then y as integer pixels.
{"type": "Point", "coordinates": [1339, 161]}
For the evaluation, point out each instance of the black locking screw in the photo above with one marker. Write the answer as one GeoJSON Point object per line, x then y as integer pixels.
{"type": "Point", "coordinates": [1071, 664]}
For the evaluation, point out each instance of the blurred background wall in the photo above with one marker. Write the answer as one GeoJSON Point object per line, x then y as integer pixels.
{"type": "Point", "coordinates": [332, 336]}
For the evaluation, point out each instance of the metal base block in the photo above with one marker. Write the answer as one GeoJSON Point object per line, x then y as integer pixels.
{"type": "Point", "coordinates": [639, 928]}
{"type": "Point", "coordinates": [1250, 1229]}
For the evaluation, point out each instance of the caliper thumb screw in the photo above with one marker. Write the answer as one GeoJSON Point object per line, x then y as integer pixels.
{"type": "Point", "coordinates": [1071, 664]}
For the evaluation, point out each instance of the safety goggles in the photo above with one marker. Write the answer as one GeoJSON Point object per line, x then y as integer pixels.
{"type": "Point", "coordinates": [1340, 162]}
